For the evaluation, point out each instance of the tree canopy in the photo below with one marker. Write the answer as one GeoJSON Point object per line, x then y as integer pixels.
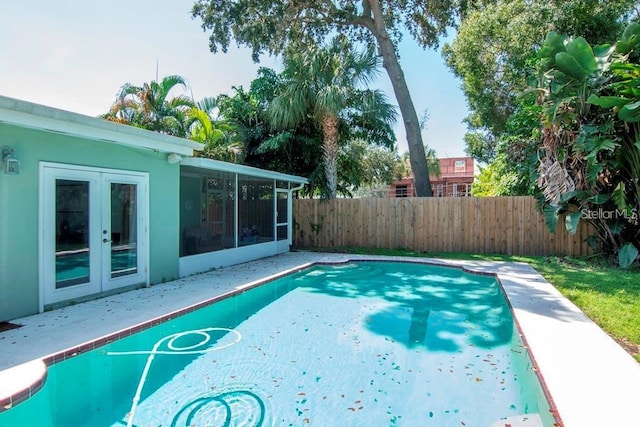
{"type": "Point", "coordinates": [297, 149]}
{"type": "Point", "coordinates": [220, 138]}
{"type": "Point", "coordinates": [274, 27]}
{"type": "Point", "coordinates": [494, 56]}
{"type": "Point", "coordinates": [149, 106]}
{"type": "Point", "coordinates": [589, 165]}
{"type": "Point", "coordinates": [494, 50]}
{"type": "Point", "coordinates": [325, 83]}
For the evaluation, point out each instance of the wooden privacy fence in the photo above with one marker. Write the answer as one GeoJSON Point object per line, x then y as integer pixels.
{"type": "Point", "coordinates": [500, 225]}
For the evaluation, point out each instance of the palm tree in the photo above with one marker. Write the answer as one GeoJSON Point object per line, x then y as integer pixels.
{"type": "Point", "coordinates": [220, 138]}
{"type": "Point", "coordinates": [149, 106]}
{"type": "Point", "coordinates": [323, 83]}
{"type": "Point", "coordinates": [403, 165]}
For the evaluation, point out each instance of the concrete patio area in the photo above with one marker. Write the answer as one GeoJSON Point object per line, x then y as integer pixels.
{"type": "Point", "coordinates": [591, 379]}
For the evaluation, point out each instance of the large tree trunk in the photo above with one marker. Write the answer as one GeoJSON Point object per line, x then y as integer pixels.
{"type": "Point", "coordinates": [390, 62]}
{"type": "Point", "coordinates": [330, 150]}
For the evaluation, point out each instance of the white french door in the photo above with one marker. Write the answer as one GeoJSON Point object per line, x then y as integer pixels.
{"type": "Point", "coordinates": [93, 227]}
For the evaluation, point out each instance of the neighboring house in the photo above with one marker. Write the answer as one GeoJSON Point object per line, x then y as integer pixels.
{"type": "Point", "coordinates": [455, 180]}
{"type": "Point", "coordinates": [90, 207]}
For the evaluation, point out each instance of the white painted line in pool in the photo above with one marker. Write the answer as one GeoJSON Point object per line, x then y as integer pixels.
{"type": "Point", "coordinates": [174, 350]}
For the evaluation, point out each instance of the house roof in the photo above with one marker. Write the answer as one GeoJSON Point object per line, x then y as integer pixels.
{"type": "Point", "coordinates": [202, 163]}
{"type": "Point", "coordinates": [35, 116]}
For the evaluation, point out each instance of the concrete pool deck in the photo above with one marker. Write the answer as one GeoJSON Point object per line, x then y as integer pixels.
{"type": "Point", "coordinates": [591, 379]}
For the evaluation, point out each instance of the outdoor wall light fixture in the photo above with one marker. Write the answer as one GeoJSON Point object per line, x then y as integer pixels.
{"type": "Point", "coordinates": [10, 165]}
{"type": "Point", "coordinates": [174, 158]}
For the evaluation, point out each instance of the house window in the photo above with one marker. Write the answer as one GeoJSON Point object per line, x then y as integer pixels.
{"type": "Point", "coordinates": [459, 166]}
{"type": "Point", "coordinates": [402, 191]}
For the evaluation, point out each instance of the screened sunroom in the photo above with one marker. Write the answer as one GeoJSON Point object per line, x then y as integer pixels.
{"type": "Point", "coordinates": [231, 213]}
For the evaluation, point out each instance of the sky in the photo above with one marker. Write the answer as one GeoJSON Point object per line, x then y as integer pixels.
{"type": "Point", "coordinates": [76, 54]}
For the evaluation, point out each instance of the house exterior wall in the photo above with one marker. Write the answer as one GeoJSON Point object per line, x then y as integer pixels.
{"type": "Point", "coordinates": [19, 207]}
{"type": "Point", "coordinates": [455, 180]}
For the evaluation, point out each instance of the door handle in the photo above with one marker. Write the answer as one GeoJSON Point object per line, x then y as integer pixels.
{"type": "Point", "coordinates": [105, 240]}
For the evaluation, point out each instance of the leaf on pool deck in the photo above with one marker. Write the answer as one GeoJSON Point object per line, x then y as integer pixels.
{"type": "Point", "coordinates": [478, 379]}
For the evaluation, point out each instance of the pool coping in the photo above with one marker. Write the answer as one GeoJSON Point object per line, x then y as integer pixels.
{"type": "Point", "coordinates": [590, 379]}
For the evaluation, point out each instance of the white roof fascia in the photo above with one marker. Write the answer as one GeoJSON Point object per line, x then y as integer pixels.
{"type": "Point", "coordinates": [26, 114]}
{"type": "Point", "coordinates": [217, 165]}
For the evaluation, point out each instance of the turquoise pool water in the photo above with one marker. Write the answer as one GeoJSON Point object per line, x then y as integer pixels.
{"type": "Point", "coordinates": [360, 344]}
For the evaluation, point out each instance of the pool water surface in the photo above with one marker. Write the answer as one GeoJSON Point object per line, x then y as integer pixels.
{"type": "Point", "coordinates": [359, 344]}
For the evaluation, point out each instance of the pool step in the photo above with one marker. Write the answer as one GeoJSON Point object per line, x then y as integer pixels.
{"type": "Point", "coordinates": [20, 382]}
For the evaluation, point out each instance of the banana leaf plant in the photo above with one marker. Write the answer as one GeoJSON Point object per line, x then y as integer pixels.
{"type": "Point", "coordinates": [590, 147]}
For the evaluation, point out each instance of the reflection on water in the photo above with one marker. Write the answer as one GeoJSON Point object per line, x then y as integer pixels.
{"type": "Point", "coordinates": [464, 309]}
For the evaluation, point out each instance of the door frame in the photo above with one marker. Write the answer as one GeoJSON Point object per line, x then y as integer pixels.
{"type": "Point", "coordinates": [45, 236]}
{"type": "Point", "coordinates": [108, 282]}
{"type": "Point", "coordinates": [282, 245]}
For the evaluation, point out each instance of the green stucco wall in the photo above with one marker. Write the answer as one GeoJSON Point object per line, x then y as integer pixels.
{"type": "Point", "coordinates": [19, 199]}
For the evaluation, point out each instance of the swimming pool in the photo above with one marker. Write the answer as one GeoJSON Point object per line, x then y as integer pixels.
{"type": "Point", "coordinates": [369, 343]}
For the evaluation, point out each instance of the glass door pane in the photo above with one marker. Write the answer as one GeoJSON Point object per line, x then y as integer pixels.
{"type": "Point", "coordinates": [124, 230]}
{"type": "Point", "coordinates": [72, 249]}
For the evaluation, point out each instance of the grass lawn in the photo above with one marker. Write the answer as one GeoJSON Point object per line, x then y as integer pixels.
{"type": "Point", "coordinates": [610, 296]}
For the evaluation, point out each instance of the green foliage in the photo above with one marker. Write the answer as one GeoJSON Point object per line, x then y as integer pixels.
{"type": "Point", "coordinates": [402, 168]}
{"type": "Point", "coordinates": [591, 105]}
{"type": "Point", "coordinates": [550, 213]}
{"type": "Point", "coordinates": [297, 150]}
{"type": "Point", "coordinates": [630, 39]}
{"type": "Point", "coordinates": [283, 27]}
{"type": "Point", "coordinates": [362, 168]}
{"type": "Point", "coordinates": [487, 183]}
{"type": "Point", "coordinates": [273, 26]}
{"type": "Point", "coordinates": [513, 168]}
{"type": "Point", "coordinates": [627, 255]}
{"type": "Point", "coordinates": [496, 45]}
{"type": "Point", "coordinates": [571, 221]}
{"type": "Point", "coordinates": [326, 83]}
{"type": "Point", "coordinates": [150, 107]}
{"type": "Point", "coordinates": [481, 145]}
{"type": "Point", "coordinates": [220, 138]}
{"type": "Point", "coordinates": [499, 179]}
